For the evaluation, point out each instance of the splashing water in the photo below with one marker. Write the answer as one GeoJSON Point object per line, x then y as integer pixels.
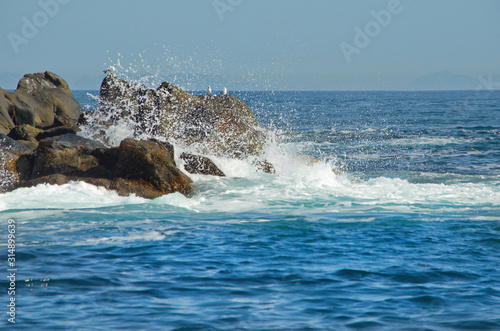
{"type": "Point", "coordinates": [210, 125]}
{"type": "Point", "coordinates": [406, 237]}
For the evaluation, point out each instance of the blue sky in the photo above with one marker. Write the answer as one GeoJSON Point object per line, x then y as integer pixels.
{"type": "Point", "coordinates": [251, 44]}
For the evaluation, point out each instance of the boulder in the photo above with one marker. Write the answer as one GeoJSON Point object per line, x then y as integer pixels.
{"type": "Point", "coordinates": [56, 131]}
{"type": "Point", "coordinates": [69, 154]}
{"type": "Point", "coordinates": [221, 125]}
{"type": "Point", "coordinates": [196, 164]}
{"type": "Point", "coordinates": [41, 100]}
{"type": "Point", "coordinates": [145, 168]}
{"type": "Point", "coordinates": [21, 109]}
{"type": "Point", "coordinates": [6, 123]}
{"type": "Point", "coordinates": [9, 145]}
{"type": "Point", "coordinates": [10, 151]}
{"type": "Point", "coordinates": [52, 100]}
{"type": "Point", "coordinates": [151, 161]}
{"type": "Point", "coordinates": [26, 135]}
{"type": "Point", "coordinates": [264, 166]}
{"type": "Point", "coordinates": [122, 103]}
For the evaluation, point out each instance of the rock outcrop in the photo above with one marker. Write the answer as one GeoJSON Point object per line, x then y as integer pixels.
{"type": "Point", "coordinates": [38, 144]}
{"type": "Point", "coordinates": [197, 164]}
{"type": "Point", "coordinates": [50, 98]}
{"type": "Point", "coordinates": [10, 152]}
{"type": "Point", "coordinates": [39, 141]}
{"type": "Point", "coordinates": [219, 125]}
{"type": "Point", "coordinates": [42, 101]}
{"type": "Point", "coordinates": [145, 168]}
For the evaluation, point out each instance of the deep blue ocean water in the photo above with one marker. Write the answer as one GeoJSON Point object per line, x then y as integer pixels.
{"type": "Point", "coordinates": [407, 237]}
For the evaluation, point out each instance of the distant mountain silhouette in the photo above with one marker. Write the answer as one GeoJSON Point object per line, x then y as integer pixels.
{"type": "Point", "coordinates": [443, 80]}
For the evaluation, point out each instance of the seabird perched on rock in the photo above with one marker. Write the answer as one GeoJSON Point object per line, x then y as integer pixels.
{"type": "Point", "coordinates": [111, 69]}
{"type": "Point", "coordinates": [224, 92]}
{"type": "Point", "coordinates": [209, 90]}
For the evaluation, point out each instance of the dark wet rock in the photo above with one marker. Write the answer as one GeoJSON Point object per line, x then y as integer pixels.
{"type": "Point", "coordinates": [153, 162]}
{"type": "Point", "coordinates": [24, 166]}
{"type": "Point", "coordinates": [26, 135]}
{"type": "Point", "coordinates": [67, 154]}
{"type": "Point", "coordinates": [122, 186]}
{"type": "Point", "coordinates": [24, 132]}
{"type": "Point", "coordinates": [123, 102]}
{"type": "Point", "coordinates": [57, 131]}
{"type": "Point", "coordinates": [6, 123]}
{"type": "Point", "coordinates": [145, 168]}
{"type": "Point", "coordinates": [10, 145]}
{"type": "Point", "coordinates": [41, 100]}
{"type": "Point", "coordinates": [219, 125]}
{"type": "Point", "coordinates": [51, 98]}
{"type": "Point", "coordinates": [196, 164]}
{"type": "Point", "coordinates": [264, 166]}
{"type": "Point", "coordinates": [55, 179]}
{"type": "Point", "coordinates": [10, 151]}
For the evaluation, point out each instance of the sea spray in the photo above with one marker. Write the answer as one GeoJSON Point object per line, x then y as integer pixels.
{"type": "Point", "coordinates": [405, 237]}
{"type": "Point", "coordinates": [210, 125]}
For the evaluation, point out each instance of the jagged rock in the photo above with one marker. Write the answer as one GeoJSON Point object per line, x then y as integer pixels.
{"type": "Point", "coordinates": [42, 100]}
{"type": "Point", "coordinates": [26, 135]}
{"type": "Point", "coordinates": [8, 144]}
{"type": "Point", "coordinates": [151, 161]}
{"type": "Point", "coordinates": [68, 154]}
{"type": "Point", "coordinates": [10, 151]}
{"type": "Point", "coordinates": [145, 168]}
{"type": "Point", "coordinates": [6, 122]}
{"type": "Point", "coordinates": [196, 164]}
{"type": "Point", "coordinates": [134, 104]}
{"type": "Point", "coordinates": [51, 97]}
{"type": "Point", "coordinates": [221, 125]}
{"type": "Point", "coordinates": [264, 166]}
{"type": "Point", "coordinates": [56, 131]}
{"type": "Point", "coordinates": [24, 132]}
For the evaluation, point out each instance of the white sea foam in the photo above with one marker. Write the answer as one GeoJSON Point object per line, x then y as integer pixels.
{"type": "Point", "coordinates": [74, 195]}
{"type": "Point", "coordinates": [133, 236]}
{"type": "Point", "coordinates": [300, 185]}
{"type": "Point", "coordinates": [297, 187]}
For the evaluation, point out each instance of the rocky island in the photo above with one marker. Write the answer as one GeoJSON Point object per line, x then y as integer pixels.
{"type": "Point", "coordinates": [41, 138]}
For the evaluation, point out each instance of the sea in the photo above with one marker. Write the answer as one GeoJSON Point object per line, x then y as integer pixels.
{"type": "Point", "coordinates": [397, 227]}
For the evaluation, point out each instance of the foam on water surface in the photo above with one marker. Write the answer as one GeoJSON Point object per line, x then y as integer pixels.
{"type": "Point", "coordinates": [295, 188]}
{"type": "Point", "coordinates": [398, 241]}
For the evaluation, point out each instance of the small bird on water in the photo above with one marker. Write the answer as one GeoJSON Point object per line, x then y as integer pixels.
{"type": "Point", "coordinates": [110, 70]}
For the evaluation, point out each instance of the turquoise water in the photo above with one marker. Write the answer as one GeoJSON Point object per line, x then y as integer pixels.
{"type": "Point", "coordinates": [406, 238]}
